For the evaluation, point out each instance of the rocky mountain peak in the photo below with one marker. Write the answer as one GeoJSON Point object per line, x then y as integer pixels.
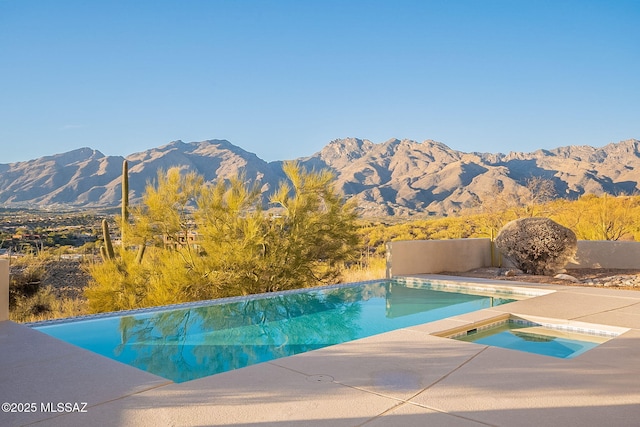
{"type": "Point", "coordinates": [395, 177]}
{"type": "Point", "coordinates": [75, 156]}
{"type": "Point", "coordinates": [348, 148]}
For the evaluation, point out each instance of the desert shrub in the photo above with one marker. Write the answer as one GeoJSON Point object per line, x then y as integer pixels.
{"type": "Point", "coordinates": [25, 308]}
{"type": "Point", "coordinates": [238, 249]}
{"type": "Point", "coordinates": [45, 305]}
{"type": "Point", "coordinates": [601, 217]}
{"type": "Point", "coordinates": [31, 298]}
{"type": "Point", "coordinates": [25, 280]}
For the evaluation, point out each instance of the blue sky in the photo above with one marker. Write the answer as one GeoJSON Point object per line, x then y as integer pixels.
{"type": "Point", "coordinates": [283, 78]}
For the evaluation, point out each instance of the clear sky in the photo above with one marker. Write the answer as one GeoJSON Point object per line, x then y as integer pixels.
{"type": "Point", "coordinates": [283, 78]}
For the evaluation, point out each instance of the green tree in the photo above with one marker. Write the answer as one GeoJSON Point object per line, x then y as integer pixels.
{"type": "Point", "coordinates": [215, 240]}
{"type": "Point", "coordinates": [601, 217]}
{"type": "Point", "coordinates": [316, 231]}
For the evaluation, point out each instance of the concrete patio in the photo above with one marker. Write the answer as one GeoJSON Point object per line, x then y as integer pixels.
{"type": "Point", "coordinates": [407, 377]}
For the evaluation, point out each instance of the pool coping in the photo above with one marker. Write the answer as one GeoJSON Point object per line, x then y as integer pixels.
{"type": "Point", "coordinates": [491, 321]}
{"type": "Point", "coordinates": [404, 377]}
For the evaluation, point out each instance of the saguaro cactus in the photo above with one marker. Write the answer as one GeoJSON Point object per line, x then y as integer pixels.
{"type": "Point", "coordinates": [125, 193]}
{"type": "Point", "coordinates": [140, 253]}
{"type": "Point", "coordinates": [107, 250]}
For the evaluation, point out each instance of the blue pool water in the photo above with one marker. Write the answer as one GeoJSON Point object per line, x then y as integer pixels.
{"type": "Point", "coordinates": [186, 343]}
{"type": "Point", "coordinates": [535, 339]}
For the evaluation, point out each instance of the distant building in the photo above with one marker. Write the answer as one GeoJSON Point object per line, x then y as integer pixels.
{"type": "Point", "coordinates": [182, 239]}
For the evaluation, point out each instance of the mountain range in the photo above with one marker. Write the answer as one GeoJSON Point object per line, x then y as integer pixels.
{"type": "Point", "coordinates": [396, 177]}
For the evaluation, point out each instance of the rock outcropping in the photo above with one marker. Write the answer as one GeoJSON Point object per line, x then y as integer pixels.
{"type": "Point", "coordinates": [537, 245]}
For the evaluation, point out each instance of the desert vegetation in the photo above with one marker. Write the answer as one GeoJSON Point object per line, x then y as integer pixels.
{"type": "Point", "coordinates": [40, 288]}
{"type": "Point", "coordinates": [195, 241]}
{"type": "Point", "coordinates": [591, 217]}
{"type": "Point", "coordinates": [257, 250]}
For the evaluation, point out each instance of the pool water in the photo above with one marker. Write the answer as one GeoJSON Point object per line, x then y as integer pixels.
{"type": "Point", "coordinates": [533, 338]}
{"type": "Point", "coordinates": [185, 343]}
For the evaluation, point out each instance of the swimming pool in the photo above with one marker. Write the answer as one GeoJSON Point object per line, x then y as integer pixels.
{"type": "Point", "coordinates": [559, 341]}
{"type": "Point", "coordinates": [190, 341]}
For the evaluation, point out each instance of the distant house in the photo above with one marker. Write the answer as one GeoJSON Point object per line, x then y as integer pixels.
{"type": "Point", "coordinates": [183, 239]}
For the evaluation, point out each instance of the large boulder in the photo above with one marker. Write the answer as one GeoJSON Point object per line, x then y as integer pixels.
{"type": "Point", "coordinates": [537, 245]}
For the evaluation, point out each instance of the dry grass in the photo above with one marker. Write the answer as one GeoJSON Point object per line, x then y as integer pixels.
{"type": "Point", "coordinates": [33, 299]}
{"type": "Point", "coordinates": [376, 269]}
{"type": "Point", "coordinates": [45, 305]}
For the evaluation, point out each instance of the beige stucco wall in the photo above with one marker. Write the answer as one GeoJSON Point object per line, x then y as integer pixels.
{"type": "Point", "coordinates": [606, 254]}
{"type": "Point", "coordinates": [4, 289]}
{"type": "Point", "coordinates": [437, 256]}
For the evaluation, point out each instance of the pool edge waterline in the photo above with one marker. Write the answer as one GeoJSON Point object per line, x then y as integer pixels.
{"type": "Point", "coordinates": [445, 285]}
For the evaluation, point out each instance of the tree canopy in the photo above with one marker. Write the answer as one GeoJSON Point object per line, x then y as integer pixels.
{"type": "Point", "coordinates": [215, 240]}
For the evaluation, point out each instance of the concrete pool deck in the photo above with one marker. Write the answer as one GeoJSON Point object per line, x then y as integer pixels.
{"type": "Point", "coordinates": [408, 377]}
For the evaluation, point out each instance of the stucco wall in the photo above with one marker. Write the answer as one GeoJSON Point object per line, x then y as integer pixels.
{"type": "Point", "coordinates": [606, 254]}
{"type": "Point", "coordinates": [437, 256]}
{"type": "Point", "coordinates": [4, 289]}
